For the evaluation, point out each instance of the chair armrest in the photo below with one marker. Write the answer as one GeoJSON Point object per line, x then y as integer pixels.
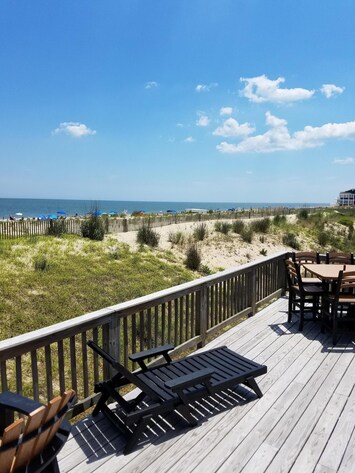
{"type": "Point", "coordinates": [142, 355]}
{"type": "Point", "coordinates": [18, 403]}
{"type": "Point", "coordinates": [189, 380]}
{"type": "Point", "coordinates": [11, 402]}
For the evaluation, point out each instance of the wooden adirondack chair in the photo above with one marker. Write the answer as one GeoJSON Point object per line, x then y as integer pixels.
{"type": "Point", "coordinates": [31, 443]}
{"type": "Point", "coordinates": [170, 386]}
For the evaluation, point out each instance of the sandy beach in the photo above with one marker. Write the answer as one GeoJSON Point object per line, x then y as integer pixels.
{"type": "Point", "coordinates": [218, 251]}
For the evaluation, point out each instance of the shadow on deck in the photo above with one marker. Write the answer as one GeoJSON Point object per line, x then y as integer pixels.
{"type": "Point", "coordinates": [304, 422]}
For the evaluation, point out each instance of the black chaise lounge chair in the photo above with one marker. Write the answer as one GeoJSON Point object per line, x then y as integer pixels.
{"type": "Point", "coordinates": [170, 386]}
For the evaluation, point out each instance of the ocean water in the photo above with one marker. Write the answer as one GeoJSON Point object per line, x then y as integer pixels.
{"type": "Point", "coordinates": [31, 208]}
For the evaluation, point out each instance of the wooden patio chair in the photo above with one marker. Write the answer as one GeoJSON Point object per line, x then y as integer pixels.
{"type": "Point", "coordinates": [338, 309]}
{"type": "Point", "coordinates": [304, 296]}
{"type": "Point", "coordinates": [339, 258]}
{"type": "Point", "coordinates": [170, 386]}
{"type": "Point", "coordinates": [32, 442]}
{"type": "Point", "coordinates": [307, 257]}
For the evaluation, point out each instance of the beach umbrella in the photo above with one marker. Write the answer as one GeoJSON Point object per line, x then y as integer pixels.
{"type": "Point", "coordinates": [54, 217]}
{"type": "Point", "coordinates": [113, 212]}
{"type": "Point", "coordinates": [61, 212]}
{"type": "Point", "coordinates": [97, 213]}
{"type": "Point", "coordinates": [19, 214]}
{"type": "Point", "coordinates": [104, 213]}
{"type": "Point", "coordinates": [171, 211]}
{"type": "Point", "coordinates": [42, 217]}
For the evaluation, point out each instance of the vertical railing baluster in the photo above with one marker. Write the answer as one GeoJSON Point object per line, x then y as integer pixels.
{"type": "Point", "coordinates": [34, 369]}
{"type": "Point", "coordinates": [61, 367]}
{"type": "Point", "coordinates": [85, 364]}
{"type": "Point", "coordinates": [74, 374]}
{"type": "Point", "coordinates": [48, 364]}
{"type": "Point", "coordinates": [18, 364]}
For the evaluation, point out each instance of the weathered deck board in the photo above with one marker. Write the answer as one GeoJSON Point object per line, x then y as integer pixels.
{"type": "Point", "coordinates": [303, 423]}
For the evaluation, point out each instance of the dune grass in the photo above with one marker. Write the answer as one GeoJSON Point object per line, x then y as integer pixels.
{"type": "Point", "coordinates": [45, 280]}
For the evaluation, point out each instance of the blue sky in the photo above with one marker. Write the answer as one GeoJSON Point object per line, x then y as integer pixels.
{"type": "Point", "coordinates": [189, 100]}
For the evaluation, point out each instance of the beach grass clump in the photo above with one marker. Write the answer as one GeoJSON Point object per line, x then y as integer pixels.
{"type": "Point", "coordinates": [303, 214]}
{"type": "Point", "coordinates": [176, 238]}
{"type": "Point", "coordinates": [323, 239]}
{"type": "Point", "coordinates": [200, 232]}
{"type": "Point", "coordinates": [41, 263]}
{"type": "Point", "coordinates": [290, 239]}
{"type": "Point", "coordinates": [193, 258]}
{"type": "Point", "coordinates": [57, 228]}
{"type": "Point", "coordinates": [279, 220]}
{"type": "Point", "coordinates": [238, 226]}
{"type": "Point", "coordinates": [93, 228]}
{"type": "Point", "coordinates": [247, 235]}
{"type": "Point", "coordinates": [261, 226]}
{"type": "Point", "coordinates": [263, 252]}
{"type": "Point", "coordinates": [222, 227]}
{"type": "Point", "coordinates": [147, 236]}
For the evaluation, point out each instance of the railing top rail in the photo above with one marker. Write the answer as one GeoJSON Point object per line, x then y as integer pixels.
{"type": "Point", "coordinates": [61, 330]}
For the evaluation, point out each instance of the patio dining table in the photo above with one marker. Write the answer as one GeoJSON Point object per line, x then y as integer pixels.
{"type": "Point", "coordinates": [328, 272]}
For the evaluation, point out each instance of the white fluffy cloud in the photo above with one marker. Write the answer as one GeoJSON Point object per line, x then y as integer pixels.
{"type": "Point", "coordinates": [225, 111]}
{"type": "Point", "coordinates": [189, 139]}
{"type": "Point", "coordinates": [329, 90]}
{"type": "Point", "coordinates": [202, 120]}
{"type": "Point", "coordinates": [231, 127]}
{"type": "Point", "coordinates": [206, 87]}
{"type": "Point", "coordinates": [278, 138]}
{"type": "Point", "coordinates": [74, 129]}
{"type": "Point", "coordinates": [151, 85]}
{"type": "Point", "coordinates": [344, 161]}
{"type": "Point", "coordinates": [261, 89]}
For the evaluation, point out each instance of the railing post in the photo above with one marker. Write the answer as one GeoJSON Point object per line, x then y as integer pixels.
{"type": "Point", "coordinates": [114, 339]}
{"type": "Point", "coordinates": [201, 316]}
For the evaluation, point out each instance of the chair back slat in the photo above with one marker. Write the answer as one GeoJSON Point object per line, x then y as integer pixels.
{"type": "Point", "coordinates": [339, 258]}
{"type": "Point", "coordinates": [25, 450]}
{"type": "Point", "coordinates": [347, 280]}
{"type": "Point", "coordinates": [59, 404]}
{"type": "Point", "coordinates": [11, 433]}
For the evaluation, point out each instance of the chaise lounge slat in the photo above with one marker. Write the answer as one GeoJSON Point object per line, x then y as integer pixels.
{"type": "Point", "coordinates": [171, 386]}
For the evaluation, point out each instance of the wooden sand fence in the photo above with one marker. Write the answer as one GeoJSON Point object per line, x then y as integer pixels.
{"type": "Point", "coordinates": [30, 227]}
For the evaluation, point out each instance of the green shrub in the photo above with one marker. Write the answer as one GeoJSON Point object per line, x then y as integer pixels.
{"type": "Point", "coordinates": [290, 239]}
{"type": "Point", "coordinates": [303, 214]}
{"type": "Point", "coordinates": [279, 220]}
{"type": "Point", "coordinates": [205, 270]}
{"type": "Point", "coordinates": [261, 226]}
{"type": "Point", "coordinates": [93, 228]}
{"type": "Point", "coordinates": [57, 227]}
{"type": "Point", "coordinates": [346, 221]}
{"type": "Point", "coordinates": [323, 238]}
{"type": "Point", "coordinates": [263, 251]}
{"type": "Point", "coordinates": [193, 258]}
{"type": "Point", "coordinates": [41, 263]}
{"type": "Point", "coordinates": [247, 235]}
{"type": "Point", "coordinates": [200, 232]}
{"type": "Point", "coordinates": [176, 238]}
{"type": "Point", "coordinates": [238, 226]}
{"type": "Point", "coordinates": [222, 227]}
{"type": "Point", "coordinates": [147, 236]}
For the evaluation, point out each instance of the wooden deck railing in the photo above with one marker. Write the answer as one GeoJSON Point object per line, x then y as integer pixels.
{"type": "Point", "coordinates": [42, 363]}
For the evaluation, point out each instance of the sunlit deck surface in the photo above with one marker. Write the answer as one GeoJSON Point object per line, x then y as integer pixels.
{"type": "Point", "coordinates": [303, 423]}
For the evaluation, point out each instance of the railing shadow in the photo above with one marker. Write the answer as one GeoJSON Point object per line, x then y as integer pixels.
{"type": "Point", "coordinates": [98, 439]}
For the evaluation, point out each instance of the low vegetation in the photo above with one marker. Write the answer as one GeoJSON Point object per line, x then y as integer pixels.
{"type": "Point", "coordinates": [147, 236]}
{"type": "Point", "coordinates": [45, 280]}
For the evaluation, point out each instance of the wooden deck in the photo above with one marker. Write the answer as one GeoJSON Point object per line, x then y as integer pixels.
{"type": "Point", "coordinates": [303, 423]}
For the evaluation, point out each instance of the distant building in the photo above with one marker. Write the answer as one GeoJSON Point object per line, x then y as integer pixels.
{"type": "Point", "coordinates": [347, 198]}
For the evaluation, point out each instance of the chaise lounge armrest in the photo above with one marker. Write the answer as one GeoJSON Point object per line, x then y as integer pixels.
{"type": "Point", "coordinates": [191, 379]}
{"type": "Point", "coordinates": [143, 355]}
